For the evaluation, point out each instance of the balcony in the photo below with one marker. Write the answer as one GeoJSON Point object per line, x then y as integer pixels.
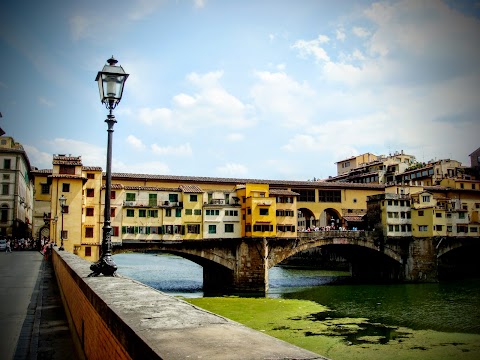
{"type": "Point", "coordinates": [151, 204]}
{"type": "Point", "coordinates": [172, 204]}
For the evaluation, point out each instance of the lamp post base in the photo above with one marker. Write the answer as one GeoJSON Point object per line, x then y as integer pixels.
{"type": "Point", "coordinates": [105, 266]}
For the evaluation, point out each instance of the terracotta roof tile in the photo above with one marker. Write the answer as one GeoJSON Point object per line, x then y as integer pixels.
{"type": "Point", "coordinates": [283, 192]}
{"type": "Point", "coordinates": [239, 181]}
{"type": "Point", "coordinates": [191, 189]}
{"type": "Point", "coordinates": [67, 176]}
{"type": "Point", "coordinates": [42, 171]}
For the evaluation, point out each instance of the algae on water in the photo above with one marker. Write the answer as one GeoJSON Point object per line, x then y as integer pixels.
{"type": "Point", "coordinates": [316, 328]}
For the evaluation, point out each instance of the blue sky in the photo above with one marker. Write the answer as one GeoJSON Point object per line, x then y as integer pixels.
{"type": "Point", "coordinates": [249, 89]}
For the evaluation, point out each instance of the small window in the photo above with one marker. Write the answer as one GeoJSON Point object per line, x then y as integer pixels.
{"type": "Point", "coordinates": [152, 213]}
{"type": "Point", "coordinates": [229, 228]}
{"type": "Point", "coordinates": [112, 212]}
{"type": "Point", "coordinates": [89, 212]}
{"type": "Point", "coordinates": [90, 192]}
{"type": "Point", "coordinates": [45, 189]}
{"type": "Point", "coordinates": [142, 213]}
{"type": "Point", "coordinates": [193, 197]}
{"type": "Point", "coordinates": [113, 195]}
{"type": "Point", "coordinates": [212, 229]}
{"type": "Point", "coordinates": [7, 163]}
{"type": "Point", "coordinates": [5, 189]}
{"type": "Point", "coordinates": [420, 212]}
{"type": "Point", "coordinates": [88, 251]}
{"type": "Point", "coordinates": [90, 176]}
{"type": "Point", "coordinates": [197, 212]}
{"type": "Point", "coordinates": [130, 213]}
{"type": "Point", "coordinates": [188, 211]}
{"type": "Point", "coordinates": [66, 209]}
{"type": "Point", "coordinates": [130, 197]}
{"type": "Point", "coordinates": [89, 232]}
{"type": "Point", "coordinates": [64, 234]}
{"type": "Point", "coordinates": [65, 187]}
{"type": "Point", "coordinates": [263, 211]}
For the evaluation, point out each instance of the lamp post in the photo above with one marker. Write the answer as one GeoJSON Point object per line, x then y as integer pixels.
{"type": "Point", "coordinates": [62, 201]}
{"type": "Point", "coordinates": [55, 219]}
{"type": "Point", "coordinates": [111, 81]}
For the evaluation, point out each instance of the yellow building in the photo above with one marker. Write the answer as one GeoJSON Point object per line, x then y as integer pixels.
{"type": "Point", "coordinates": [258, 211]}
{"type": "Point", "coordinates": [449, 209]}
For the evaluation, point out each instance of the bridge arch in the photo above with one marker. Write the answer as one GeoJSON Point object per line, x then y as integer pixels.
{"type": "Point", "coordinates": [282, 253]}
{"type": "Point", "coordinates": [457, 257]}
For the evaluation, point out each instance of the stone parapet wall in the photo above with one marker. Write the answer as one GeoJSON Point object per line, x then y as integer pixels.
{"type": "Point", "coordinates": [119, 318]}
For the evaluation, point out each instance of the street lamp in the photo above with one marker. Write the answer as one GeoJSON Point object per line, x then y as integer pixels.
{"type": "Point", "coordinates": [110, 84]}
{"type": "Point", "coordinates": [55, 219]}
{"type": "Point", "coordinates": [62, 201]}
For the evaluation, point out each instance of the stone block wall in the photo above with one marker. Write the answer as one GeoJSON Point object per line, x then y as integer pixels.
{"type": "Point", "coordinates": [119, 318]}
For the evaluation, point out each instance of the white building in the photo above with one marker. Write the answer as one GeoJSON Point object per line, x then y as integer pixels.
{"type": "Point", "coordinates": [16, 193]}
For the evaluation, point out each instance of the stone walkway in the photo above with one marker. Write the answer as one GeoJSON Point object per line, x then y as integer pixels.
{"type": "Point", "coordinates": [32, 318]}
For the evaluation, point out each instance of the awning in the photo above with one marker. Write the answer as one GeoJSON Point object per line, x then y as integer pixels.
{"type": "Point", "coordinates": [353, 218]}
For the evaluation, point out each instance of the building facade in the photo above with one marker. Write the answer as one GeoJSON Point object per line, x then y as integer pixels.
{"type": "Point", "coordinates": [449, 209]}
{"type": "Point", "coordinates": [17, 186]}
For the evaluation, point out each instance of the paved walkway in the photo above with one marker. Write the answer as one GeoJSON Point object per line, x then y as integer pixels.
{"type": "Point", "coordinates": [32, 319]}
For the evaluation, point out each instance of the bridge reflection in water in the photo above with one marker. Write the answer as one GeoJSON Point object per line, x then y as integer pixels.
{"type": "Point", "coordinates": [242, 264]}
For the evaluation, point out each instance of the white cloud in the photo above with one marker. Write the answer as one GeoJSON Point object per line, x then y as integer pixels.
{"type": "Point", "coordinates": [232, 170]}
{"type": "Point", "coordinates": [340, 34]}
{"type": "Point", "coordinates": [181, 150]}
{"type": "Point", "coordinates": [43, 101]}
{"type": "Point", "coordinates": [360, 31]}
{"type": "Point", "coordinates": [38, 159]}
{"type": "Point", "coordinates": [284, 100]}
{"type": "Point", "coordinates": [211, 106]}
{"type": "Point", "coordinates": [143, 8]}
{"type": "Point", "coordinates": [80, 27]}
{"type": "Point", "coordinates": [199, 4]}
{"type": "Point", "coordinates": [235, 137]}
{"type": "Point", "coordinates": [312, 47]}
{"type": "Point", "coordinates": [150, 116]}
{"type": "Point", "coordinates": [135, 142]}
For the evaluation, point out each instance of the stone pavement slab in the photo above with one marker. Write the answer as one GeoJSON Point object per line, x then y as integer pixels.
{"type": "Point", "coordinates": [32, 319]}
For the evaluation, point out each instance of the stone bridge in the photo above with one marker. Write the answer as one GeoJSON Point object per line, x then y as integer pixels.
{"type": "Point", "coordinates": [242, 264]}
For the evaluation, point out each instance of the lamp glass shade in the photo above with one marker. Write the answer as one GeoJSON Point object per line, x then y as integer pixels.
{"type": "Point", "coordinates": [111, 81]}
{"type": "Point", "coordinates": [62, 200]}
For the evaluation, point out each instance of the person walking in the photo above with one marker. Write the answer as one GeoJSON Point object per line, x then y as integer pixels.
{"type": "Point", "coordinates": [8, 247]}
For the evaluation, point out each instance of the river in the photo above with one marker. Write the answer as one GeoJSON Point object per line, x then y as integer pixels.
{"type": "Point", "coordinates": [447, 307]}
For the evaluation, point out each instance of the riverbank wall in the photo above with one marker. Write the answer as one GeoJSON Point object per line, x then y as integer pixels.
{"type": "Point", "coordinates": [119, 318]}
